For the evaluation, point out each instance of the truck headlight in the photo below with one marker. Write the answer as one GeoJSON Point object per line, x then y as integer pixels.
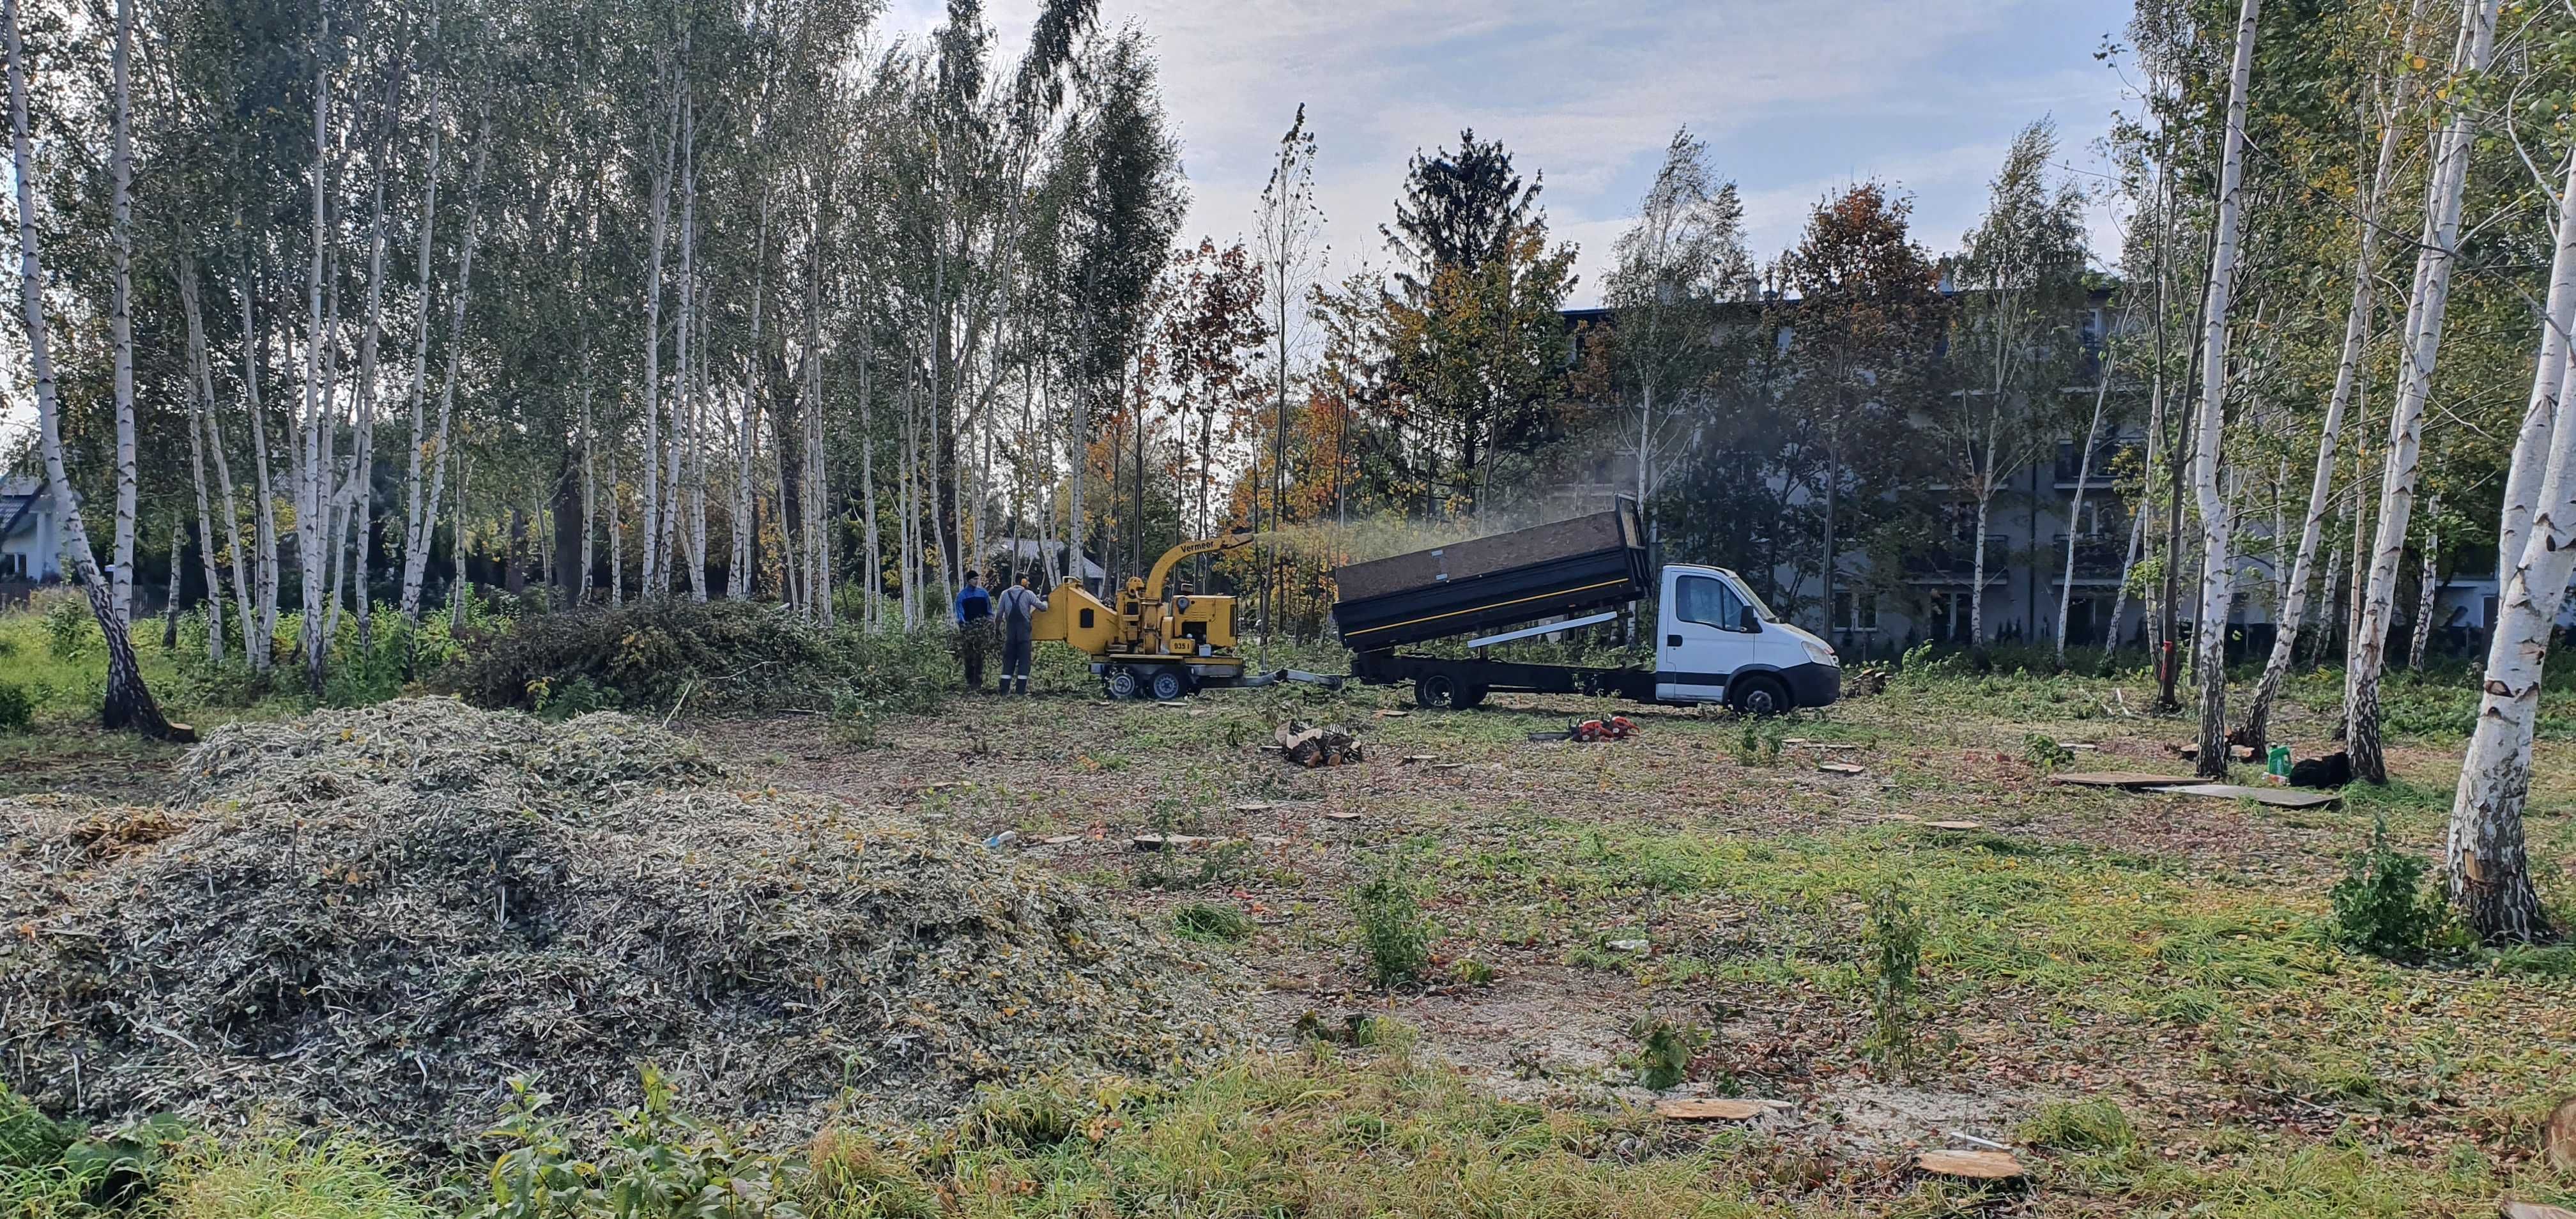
{"type": "Point", "coordinates": [1823, 655]}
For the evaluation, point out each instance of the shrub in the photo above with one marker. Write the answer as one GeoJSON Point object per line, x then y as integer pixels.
{"type": "Point", "coordinates": [2044, 753]}
{"type": "Point", "coordinates": [656, 1164]}
{"type": "Point", "coordinates": [1664, 1051]}
{"type": "Point", "coordinates": [1392, 930]}
{"type": "Point", "coordinates": [17, 707]}
{"type": "Point", "coordinates": [2381, 906]}
{"type": "Point", "coordinates": [1895, 936]}
{"type": "Point", "coordinates": [71, 630]}
{"type": "Point", "coordinates": [1209, 921]}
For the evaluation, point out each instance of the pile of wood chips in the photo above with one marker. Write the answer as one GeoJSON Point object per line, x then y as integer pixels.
{"type": "Point", "coordinates": [1313, 745]}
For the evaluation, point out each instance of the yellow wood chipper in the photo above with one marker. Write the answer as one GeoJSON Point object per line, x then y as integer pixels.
{"type": "Point", "coordinates": [1153, 644]}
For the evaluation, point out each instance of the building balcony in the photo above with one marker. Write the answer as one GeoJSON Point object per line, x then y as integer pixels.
{"type": "Point", "coordinates": [1956, 560]}
{"type": "Point", "coordinates": [2106, 456]}
{"type": "Point", "coordinates": [2098, 556]}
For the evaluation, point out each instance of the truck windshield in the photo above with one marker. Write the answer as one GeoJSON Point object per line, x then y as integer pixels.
{"type": "Point", "coordinates": [1752, 599]}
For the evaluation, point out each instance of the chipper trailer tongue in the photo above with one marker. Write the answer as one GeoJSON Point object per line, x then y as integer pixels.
{"type": "Point", "coordinates": [1715, 642]}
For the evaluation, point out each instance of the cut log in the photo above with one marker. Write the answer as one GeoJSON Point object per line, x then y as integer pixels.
{"type": "Point", "coordinates": [1974, 1165]}
{"type": "Point", "coordinates": [1715, 1109]}
{"type": "Point", "coordinates": [1318, 745]}
{"type": "Point", "coordinates": [1842, 768]}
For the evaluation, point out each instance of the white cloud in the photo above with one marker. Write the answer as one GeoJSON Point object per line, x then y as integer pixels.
{"type": "Point", "coordinates": [1796, 97]}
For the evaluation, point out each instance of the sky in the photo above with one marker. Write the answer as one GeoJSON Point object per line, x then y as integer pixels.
{"type": "Point", "coordinates": [1796, 99]}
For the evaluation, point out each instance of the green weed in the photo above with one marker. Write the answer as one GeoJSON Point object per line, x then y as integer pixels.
{"type": "Point", "coordinates": [1895, 937]}
{"type": "Point", "coordinates": [1394, 936]}
{"type": "Point", "coordinates": [1209, 921]}
{"type": "Point", "coordinates": [1664, 1051]}
{"type": "Point", "coordinates": [2381, 906]}
{"type": "Point", "coordinates": [2089, 1125]}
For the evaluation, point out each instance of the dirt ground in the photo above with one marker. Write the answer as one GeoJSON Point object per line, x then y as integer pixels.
{"type": "Point", "coordinates": [2165, 952]}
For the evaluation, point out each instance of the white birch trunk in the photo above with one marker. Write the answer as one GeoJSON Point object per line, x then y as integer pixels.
{"type": "Point", "coordinates": [2427, 593]}
{"type": "Point", "coordinates": [2437, 253]}
{"type": "Point", "coordinates": [201, 366]}
{"type": "Point", "coordinates": [128, 701]}
{"type": "Point", "coordinates": [442, 444]}
{"type": "Point", "coordinates": [416, 518]}
{"type": "Point", "coordinates": [2209, 644]}
{"type": "Point", "coordinates": [201, 405]}
{"type": "Point", "coordinates": [2486, 868]}
{"type": "Point", "coordinates": [120, 310]}
{"type": "Point", "coordinates": [649, 529]}
{"type": "Point", "coordinates": [2075, 508]}
{"type": "Point", "coordinates": [254, 340]}
{"type": "Point", "coordinates": [2356, 337]}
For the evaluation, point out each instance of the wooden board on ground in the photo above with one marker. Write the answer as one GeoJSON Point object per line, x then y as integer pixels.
{"type": "Point", "coordinates": [1976, 1165]}
{"type": "Point", "coordinates": [2116, 778]}
{"type": "Point", "coordinates": [2277, 797]}
{"type": "Point", "coordinates": [1842, 768]}
{"type": "Point", "coordinates": [1167, 842]}
{"type": "Point", "coordinates": [1341, 814]}
{"type": "Point", "coordinates": [1714, 1109]}
{"type": "Point", "coordinates": [1255, 806]}
{"type": "Point", "coordinates": [1954, 825]}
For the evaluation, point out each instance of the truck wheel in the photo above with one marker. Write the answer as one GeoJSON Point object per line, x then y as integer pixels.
{"type": "Point", "coordinates": [1436, 691]}
{"type": "Point", "coordinates": [1472, 696]}
{"type": "Point", "coordinates": [1759, 695]}
{"type": "Point", "coordinates": [1119, 683]}
{"type": "Point", "coordinates": [1169, 685]}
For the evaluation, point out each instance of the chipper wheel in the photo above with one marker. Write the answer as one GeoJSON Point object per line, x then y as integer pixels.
{"type": "Point", "coordinates": [1170, 684]}
{"type": "Point", "coordinates": [1119, 683]}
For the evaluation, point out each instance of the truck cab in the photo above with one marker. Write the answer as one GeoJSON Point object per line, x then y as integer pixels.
{"type": "Point", "coordinates": [1716, 642]}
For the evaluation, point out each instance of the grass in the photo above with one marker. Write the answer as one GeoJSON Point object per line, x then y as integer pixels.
{"type": "Point", "coordinates": [2144, 993]}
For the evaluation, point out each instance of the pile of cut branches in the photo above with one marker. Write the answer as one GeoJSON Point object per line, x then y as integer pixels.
{"type": "Point", "coordinates": [375, 918]}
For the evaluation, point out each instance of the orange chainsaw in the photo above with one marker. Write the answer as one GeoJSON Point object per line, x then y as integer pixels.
{"type": "Point", "coordinates": [1606, 728]}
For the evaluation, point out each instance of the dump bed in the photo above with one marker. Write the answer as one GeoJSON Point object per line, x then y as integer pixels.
{"type": "Point", "coordinates": [1504, 580]}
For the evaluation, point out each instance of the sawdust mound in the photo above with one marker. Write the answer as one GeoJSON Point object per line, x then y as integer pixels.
{"type": "Point", "coordinates": [375, 918]}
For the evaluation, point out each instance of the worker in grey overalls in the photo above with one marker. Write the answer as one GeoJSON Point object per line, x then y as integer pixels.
{"type": "Point", "coordinates": [1016, 606]}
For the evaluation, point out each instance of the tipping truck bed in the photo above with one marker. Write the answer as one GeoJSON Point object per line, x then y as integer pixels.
{"type": "Point", "coordinates": [1527, 575]}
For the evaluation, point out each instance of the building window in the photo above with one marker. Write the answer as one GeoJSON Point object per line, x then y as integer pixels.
{"type": "Point", "coordinates": [1855, 611]}
{"type": "Point", "coordinates": [13, 567]}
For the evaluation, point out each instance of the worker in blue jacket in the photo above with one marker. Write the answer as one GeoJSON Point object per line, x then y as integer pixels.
{"type": "Point", "coordinates": [974, 629]}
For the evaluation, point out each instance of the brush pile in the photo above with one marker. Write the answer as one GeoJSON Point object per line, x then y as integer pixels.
{"type": "Point", "coordinates": [375, 918]}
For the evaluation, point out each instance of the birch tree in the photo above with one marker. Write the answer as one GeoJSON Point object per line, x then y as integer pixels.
{"type": "Point", "coordinates": [2437, 253]}
{"type": "Point", "coordinates": [2218, 572]}
{"type": "Point", "coordinates": [128, 702]}
{"type": "Point", "coordinates": [2486, 867]}
{"type": "Point", "coordinates": [2356, 335]}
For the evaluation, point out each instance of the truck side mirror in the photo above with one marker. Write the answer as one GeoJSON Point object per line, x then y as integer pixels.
{"type": "Point", "coordinates": [1747, 621]}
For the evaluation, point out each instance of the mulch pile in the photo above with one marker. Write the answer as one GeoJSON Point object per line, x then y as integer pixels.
{"type": "Point", "coordinates": [375, 918]}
